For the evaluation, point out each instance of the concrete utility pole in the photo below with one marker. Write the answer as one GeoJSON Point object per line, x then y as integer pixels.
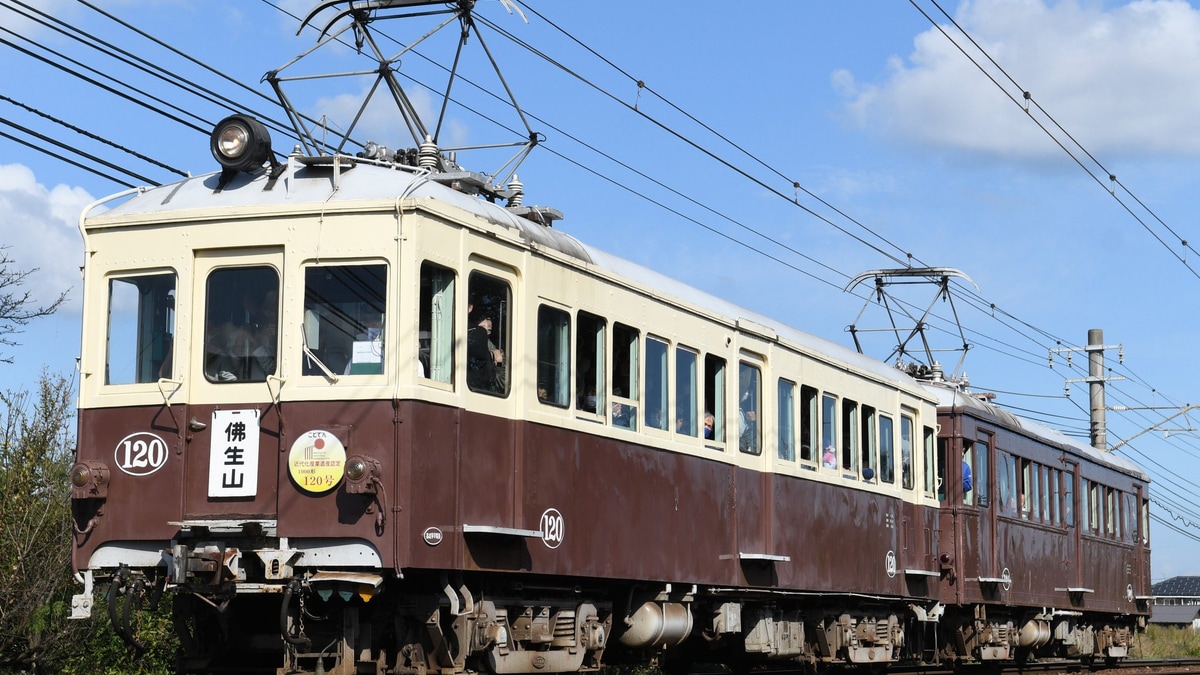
{"type": "Point", "coordinates": [1095, 379]}
{"type": "Point", "coordinates": [1095, 349]}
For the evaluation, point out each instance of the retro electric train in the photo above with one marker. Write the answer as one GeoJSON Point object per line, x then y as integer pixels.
{"type": "Point", "coordinates": [360, 416]}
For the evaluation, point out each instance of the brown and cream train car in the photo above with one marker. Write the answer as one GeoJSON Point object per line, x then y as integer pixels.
{"type": "Point", "coordinates": [1049, 535]}
{"type": "Point", "coordinates": [357, 419]}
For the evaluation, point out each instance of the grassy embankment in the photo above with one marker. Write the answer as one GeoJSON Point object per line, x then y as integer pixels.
{"type": "Point", "coordinates": [1159, 642]}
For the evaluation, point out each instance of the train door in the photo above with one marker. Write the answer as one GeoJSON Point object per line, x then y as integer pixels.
{"type": "Point", "coordinates": [916, 531]}
{"type": "Point", "coordinates": [489, 441]}
{"type": "Point", "coordinates": [991, 573]}
{"type": "Point", "coordinates": [233, 451]}
{"type": "Point", "coordinates": [1071, 487]}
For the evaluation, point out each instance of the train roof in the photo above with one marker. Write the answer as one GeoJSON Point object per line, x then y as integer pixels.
{"type": "Point", "coordinates": [949, 397]}
{"type": "Point", "coordinates": [308, 180]}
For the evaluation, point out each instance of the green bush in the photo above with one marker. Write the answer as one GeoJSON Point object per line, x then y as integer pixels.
{"type": "Point", "coordinates": [36, 580]}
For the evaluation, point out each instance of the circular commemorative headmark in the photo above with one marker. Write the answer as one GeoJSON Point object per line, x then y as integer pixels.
{"type": "Point", "coordinates": [317, 461]}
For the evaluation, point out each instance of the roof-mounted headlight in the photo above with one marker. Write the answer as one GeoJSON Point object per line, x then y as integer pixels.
{"type": "Point", "coordinates": [240, 143]}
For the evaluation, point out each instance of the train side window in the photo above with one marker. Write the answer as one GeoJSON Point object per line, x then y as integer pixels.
{"type": "Point", "coordinates": [906, 469]}
{"type": "Point", "coordinates": [240, 331]}
{"type": "Point", "coordinates": [787, 420]}
{"type": "Point", "coordinates": [1055, 512]}
{"type": "Point", "coordinates": [982, 478]}
{"type": "Point", "coordinates": [809, 429]}
{"type": "Point", "coordinates": [1145, 521]}
{"type": "Point", "coordinates": [489, 321]}
{"type": "Point", "coordinates": [1024, 487]}
{"type": "Point", "coordinates": [829, 451]}
{"type": "Point", "coordinates": [887, 452]}
{"type": "Point", "coordinates": [435, 336]}
{"type": "Point", "coordinates": [1085, 507]}
{"type": "Point", "coordinates": [869, 441]}
{"type": "Point", "coordinates": [1047, 493]}
{"type": "Point", "coordinates": [749, 406]}
{"type": "Point", "coordinates": [141, 329]}
{"type": "Point", "coordinates": [1035, 491]}
{"type": "Point", "coordinates": [590, 368]}
{"type": "Point", "coordinates": [1005, 483]}
{"type": "Point", "coordinates": [554, 356]}
{"type": "Point", "coordinates": [686, 392]}
{"type": "Point", "coordinates": [656, 383]}
{"type": "Point", "coordinates": [968, 463]}
{"type": "Point", "coordinates": [943, 447]}
{"type": "Point", "coordinates": [929, 464]}
{"type": "Point", "coordinates": [1111, 522]}
{"type": "Point", "coordinates": [344, 308]}
{"type": "Point", "coordinates": [1130, 518]}
{"type": "Point", "coordinates": [626, 343]}
{"type": "Point", "coordinates": [714, 396]}
{"type": "Point", "coordinates": [1094, 508]}
{"type": "Point", "coordinates": [850, 437]}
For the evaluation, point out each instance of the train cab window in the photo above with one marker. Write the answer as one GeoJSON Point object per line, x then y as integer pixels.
{"type": "Point", "coordinates": [343, 319]}
{"type": "Point", "coordinates": [687, 390]}
{"type": "Point", "coordinates": [590, 369]}
{"type": "Point", "coordinates": [850, 437]}
{"type": "Point", "coordinates": [869, 443]}
{"type": "Point", "coordinates": [141, 328]}
{"type": "Point", "coordinates": [829, 450]}
{"type": "Point", "coordinates": [240, 331]}
{"type": "Point", "coordinates": [656, 384]}
{"type": "Point", "coordinates": [906, 468]}
{"type": "Point", "coordinates": [929, 466]}
{"type": "Point", "coordinates": [489, 319]}
{"type": "Point", "coordinates": [809, 428]}
{"type": "Point", "coordinates": [714, 397]}
{"type": "Point", "coordinates": [887, 451]}
{"type": "Point", "coordinates": [554, 356]}
{"type": "Point", "coordinates": [787, 420]}
{"type": "Point", "coordinates": [435, 336]}
{"type": "Point", "coordinates": [749, 406]}
{"type": "Point", "coordinates": [626, 344]}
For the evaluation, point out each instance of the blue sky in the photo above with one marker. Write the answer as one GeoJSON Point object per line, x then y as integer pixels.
{"type": "Point", "coordinates": [912, 146]}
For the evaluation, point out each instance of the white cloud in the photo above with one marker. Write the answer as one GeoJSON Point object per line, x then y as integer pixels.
{"type": "Point", "coordinates": [40, 229]}
{"type": "Point", "coordinates": [1120, 80]}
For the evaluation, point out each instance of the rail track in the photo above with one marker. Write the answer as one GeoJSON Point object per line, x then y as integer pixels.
{"type": "Point", "coordinates": [1126, 667]}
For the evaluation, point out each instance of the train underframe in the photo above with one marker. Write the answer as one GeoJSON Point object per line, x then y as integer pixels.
{"type": "Point", "coordinates": [422, 622]}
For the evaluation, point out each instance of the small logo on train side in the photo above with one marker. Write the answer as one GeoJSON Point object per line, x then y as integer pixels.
{"type": "Point", "coordinates": [141, 454]}
{"type": "Point", "coordinates": [889, 564]}
{"type": "Point", "coordinates": [552, 528]}
{"type": "Point", "coordinates": [432, 536]}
